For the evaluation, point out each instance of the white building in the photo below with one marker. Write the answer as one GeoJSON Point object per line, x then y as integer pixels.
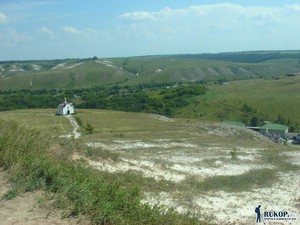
{"type": "Point", "coordinates": [65, 108]}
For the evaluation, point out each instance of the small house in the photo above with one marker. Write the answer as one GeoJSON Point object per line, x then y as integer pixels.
{"type": "Point", "coordinates": [274, 130]}
{"type": "Point", "coordinates": [65, 108]}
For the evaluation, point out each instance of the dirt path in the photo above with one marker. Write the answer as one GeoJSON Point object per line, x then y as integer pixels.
{"type": "Point", "coordinates": [26, 210]}
{"type": "Point", "coordinates": [74, 125]}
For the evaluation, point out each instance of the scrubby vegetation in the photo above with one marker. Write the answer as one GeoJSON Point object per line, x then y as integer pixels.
{"type": "Point", "coordinates": [35, 163]}
{"type": "Point", "coordinates": [146, 98]}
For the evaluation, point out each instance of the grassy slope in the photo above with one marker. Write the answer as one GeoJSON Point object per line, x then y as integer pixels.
{"type": "Point", "coordinates": [113, 127]}
{"type": "Point", "coordinates": [268, 96]}
{"type": "Point", "coordinates": [136, 70]}
{"type": "Point", "coordinates": [43, 119]}
{"type": "Point", "coordinates": [182, 69]}
{"type": "Point", "coordinates": [87, 74]}
{"type": "Point", "coordinates": [36, 161]}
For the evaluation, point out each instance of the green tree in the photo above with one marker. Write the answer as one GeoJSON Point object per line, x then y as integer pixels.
{"type": "Point", "coordinates": [254, 121]}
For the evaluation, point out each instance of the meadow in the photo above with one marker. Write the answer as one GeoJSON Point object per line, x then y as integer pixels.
{"type": "Point", "coordinates": [206, 169]}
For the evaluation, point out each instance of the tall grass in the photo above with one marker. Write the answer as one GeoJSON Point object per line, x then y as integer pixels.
{"type": "Point", "coordinates": [33, 163]}
{"type": "Point", "coordinates": [244, 182]}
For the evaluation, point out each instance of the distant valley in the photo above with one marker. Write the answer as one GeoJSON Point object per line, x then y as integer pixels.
{"type": "Point", "coordinates": [240, 86]}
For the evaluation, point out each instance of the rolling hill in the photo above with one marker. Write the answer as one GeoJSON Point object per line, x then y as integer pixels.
{"type": "Point", "coordinates": [82, 73]}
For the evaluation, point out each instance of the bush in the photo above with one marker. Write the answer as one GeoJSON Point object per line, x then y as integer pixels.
{"type": "Point", "coordinates": [89, 128]}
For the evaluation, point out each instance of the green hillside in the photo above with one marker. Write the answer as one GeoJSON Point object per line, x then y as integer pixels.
{"type": "Point", "coordinates": [81, 73]}
{"type": "Point", "coordinates": [59, 74]}
{"type": "Point", "coordinates": [267, 99]}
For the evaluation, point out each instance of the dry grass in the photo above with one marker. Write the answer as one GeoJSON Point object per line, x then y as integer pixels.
{"type": "Point", "coordinates": [185, 162]}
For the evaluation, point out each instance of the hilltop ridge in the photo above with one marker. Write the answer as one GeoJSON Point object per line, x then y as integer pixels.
{"type": "Point", "coordinates": [82, 73]}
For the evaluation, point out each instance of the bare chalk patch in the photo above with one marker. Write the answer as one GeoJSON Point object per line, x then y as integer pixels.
{"type": "Point", "coordinates": [137, 144]}
{"type": "Point", "coordinates": [229, 208]}
{"type": "Point", "coordinates": [73, 65]}
{"type": "Point", "coordinates": [146, 168]}
{"type": "Point", "coordinates": [295, 157]}
{"type": "Point", "coordinates": [58, 66]}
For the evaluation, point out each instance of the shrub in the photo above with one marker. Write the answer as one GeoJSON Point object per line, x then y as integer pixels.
{"type": "Point", "coordinates": [89, 128]}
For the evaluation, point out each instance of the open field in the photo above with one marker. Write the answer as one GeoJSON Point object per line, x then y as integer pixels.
{"type": "Point", "coordinates": [217, 172]}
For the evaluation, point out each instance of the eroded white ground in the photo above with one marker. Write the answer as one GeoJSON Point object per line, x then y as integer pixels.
{"type": "Point", "coordinates": [177, 160]}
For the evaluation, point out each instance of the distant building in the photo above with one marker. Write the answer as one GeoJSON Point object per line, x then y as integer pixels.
{"type": "Point", "coordinates": [65, 108]}
{"type": "Point", "coordinates": [274, 130]}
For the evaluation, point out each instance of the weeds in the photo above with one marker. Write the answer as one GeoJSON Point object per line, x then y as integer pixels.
{"type": "Point", "coordinates": [233, 154]}
{"type": "Point", "coordinates": [11, 194]}
{"type": "Point", "coordinates": [100, 153]}
{"type": "Point", "coordinates": [105, 200]}
{"type": "Point", "coordinates": [243, 182]}
{"type": "Point", "coordinates": [279, 160]}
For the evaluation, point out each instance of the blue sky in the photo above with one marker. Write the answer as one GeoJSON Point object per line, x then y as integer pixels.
{"type": "Point", "coordinates": [51, 29]}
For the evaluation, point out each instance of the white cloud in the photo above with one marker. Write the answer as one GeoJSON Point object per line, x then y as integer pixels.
{"type": "Point", "coordinates": [204, 13]}
{"type": "Point", "coordinates": [214, 27]}
{"type": "Point", "coordinates": [139, 16]}
{"type": "Point", "coordinates": [143, 15]}
{"type": "Point", "coordinates": [3, 18]}
{"type": "Point", "coordinates": [46, 31]}
{"type": "Point", "coordinates": [14, 36]}
{"type": "Point", "coordinates": [295, 8]}
{"type": "Point", "coordinates": [71, 30]}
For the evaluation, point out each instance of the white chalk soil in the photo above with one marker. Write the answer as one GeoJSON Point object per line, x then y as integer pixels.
{"type": "Point", "coordinates": [177, 160]}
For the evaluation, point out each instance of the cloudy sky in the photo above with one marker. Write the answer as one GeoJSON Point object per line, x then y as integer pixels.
{"type": "Point", "coordinates": [51, 29]}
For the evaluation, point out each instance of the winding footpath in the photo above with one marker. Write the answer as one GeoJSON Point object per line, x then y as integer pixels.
{"type": "Point", "coordinates": [74, 125]}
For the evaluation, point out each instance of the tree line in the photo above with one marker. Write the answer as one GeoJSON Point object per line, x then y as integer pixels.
{"type": "Point", "coordinates": [158, 99]}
